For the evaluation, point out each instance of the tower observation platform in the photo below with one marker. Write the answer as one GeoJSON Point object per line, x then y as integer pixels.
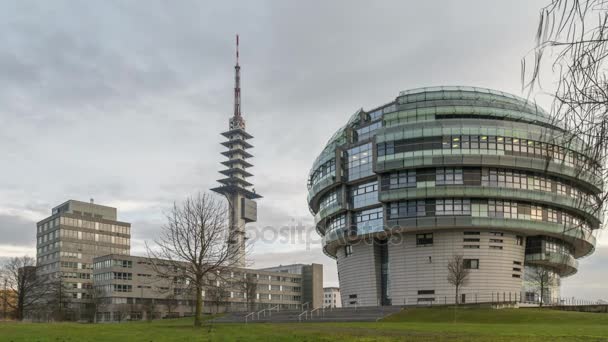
{"type": "Point", "coordinates": [239, 192]}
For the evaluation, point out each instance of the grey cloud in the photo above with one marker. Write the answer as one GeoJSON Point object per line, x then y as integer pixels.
{"type": "Point", "coordinates": [17, 231]}
{"type": "Point", "coordinates": [124, 101]}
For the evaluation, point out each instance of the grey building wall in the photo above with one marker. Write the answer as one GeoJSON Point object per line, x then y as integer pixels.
{"type": "Point", "coordinates": [359, 275]}
{"type": "Point", "coordinates": [424, 268]}
{"type": "Point", "coordinates": [146, 288]}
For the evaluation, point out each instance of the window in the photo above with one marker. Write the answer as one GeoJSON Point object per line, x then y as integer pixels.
{"type": "Point", "coordinates": [516, 269]}
{"type": "Point", "coordinates": [328, 200]}
{"type": "Point", "coordinates": [470, 240]}
{"type": "Point", "coordinates": [352, 296]}
{"type": "Point", "coordinates": [335, 223]}
{"type": "Point", "coordinates": [426, 292]}
{"type": "Point", "coordinates": [399, 180]}
{"type": "Point", "coordinates": [495, 247]}
{"type": "Point", "coordinates": [325, 170]}
{"type": "Point", "coordinates": [348, 250]}
{"type": "Point", "coordinates": [367, 131]}
{"type": "Point", "coordinates": [471, 246]}
{"type": "Point", "coordinates": [495, 240]}
{"type": "Point", "coordinates": [453, 207]}
{"type": "Point", "coordinates": [409, 209]}
{"type": "Point", "coordinates": [471, 233]}
{"type": "Point", "coordinates": [370, 220]}
{"type": "Point", "coordinates": [364, 194]}
{"type": "Point", "coordinates": [516, 262]}
{"type": "Point", "coordinates": [359, 162]}
{"type": "Point", "coordinates": [424, 239]}
{"type": "Point", "coordinates": [449, 176]}
{"type": "Point", "coordinates": [519, 240]}
{"type": "Point", "coordinates": [516, 276]}
{"type": "Point", "coordinates": [471, 264]}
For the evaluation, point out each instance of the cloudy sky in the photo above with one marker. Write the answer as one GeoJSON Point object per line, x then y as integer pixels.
{"type": "Point", "coordinates": [123, 101]}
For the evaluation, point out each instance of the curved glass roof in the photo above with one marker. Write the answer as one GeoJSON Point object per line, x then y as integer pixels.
{"type": "Point", "coordinates": [540, 111]}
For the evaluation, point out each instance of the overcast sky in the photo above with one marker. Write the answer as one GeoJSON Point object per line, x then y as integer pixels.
{"type": "Point", "coordinates": [123, 101]}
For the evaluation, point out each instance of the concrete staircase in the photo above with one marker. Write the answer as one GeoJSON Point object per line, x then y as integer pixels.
{"type": "Point", "coordinates": [360, 314]}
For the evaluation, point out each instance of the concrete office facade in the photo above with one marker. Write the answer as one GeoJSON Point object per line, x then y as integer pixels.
{"type": "Point", "coordinates": [131, 288]}
{"type": "Point", "coordinates": [69, 240]}
{"type": "Point", "coordinates": [85, 248]}
{"type": "Point", "coordinates": [444, 171]}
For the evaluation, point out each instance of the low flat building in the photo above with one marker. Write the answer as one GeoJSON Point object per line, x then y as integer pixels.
{"type": "Point", "coordinates": [132, 288]}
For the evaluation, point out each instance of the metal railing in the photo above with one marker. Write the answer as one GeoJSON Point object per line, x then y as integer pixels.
{"type": "Point", "coordinates": [318, 310]}
{"type": "Point", "coordinates": [307, 304]}
{"type": "Point", "coordinates": [303, 313]}
{"type": "Point", "coordinates": [251, 314]}
{"type": "Point", "coordinates": [277, 308]}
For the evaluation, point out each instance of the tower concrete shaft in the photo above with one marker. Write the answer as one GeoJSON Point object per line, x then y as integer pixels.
{"type": "Point", "coordinates": [236, 188]}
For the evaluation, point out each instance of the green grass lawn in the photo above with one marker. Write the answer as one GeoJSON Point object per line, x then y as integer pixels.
{"type": "Point", "coordinates": [424, 324]}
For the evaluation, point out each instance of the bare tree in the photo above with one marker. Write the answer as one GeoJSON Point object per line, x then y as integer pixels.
{"type": "Point", "coordinates": [96, 297]}
{"type": "Point", "coordinates": [249, 286]}
{"type": "Point", "coordinates": [171, 303]}
{"type": "Point", "coordinates": [217, 295]}
{"type": "Point", "coordinates": [22, 280]}
{"type": "Point", "coordinates": [458, 274]}
{"type": "Point", "coordinates": [542, 279]}
{"type": "Point", "coordinates": [196, 242]}
{"type": "Point", "coordinates": [57, 300]}
{"type": "Point", "coordinates": [572, 50]}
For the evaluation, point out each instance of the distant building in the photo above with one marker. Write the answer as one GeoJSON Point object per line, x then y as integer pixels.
{"type": "Point", "coordinates": [130, 288]}
{"type": "Point", "coordinates": [84, 247]}
{"type": "Point", "coordinates": [331, 297]}
{"type": "Point", "coordinates": [69, 239]}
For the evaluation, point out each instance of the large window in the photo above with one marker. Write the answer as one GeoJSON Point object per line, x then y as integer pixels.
{"type": "Point", "coordinates": [400, 179]}
{"type": "Point", "coordinates": [471, 264]}
{"type": "Point", "coordinates": [411, 209]}
{"type": "Point", "coordinates": [325, 170]}
{"type": "Point", "coordinates": [364, 194]}
{"type": "Point", "coordinates": [335, 223]}
{"type": "Point", "coordinates": [368, 221]}
{"type": "Point", "coordinates": [359, 161]}
{"type": "Point", "coordinates": [368, 131]}
{"type": "Point", "coordinates": [424, 239]}
{"type": "Point", "coordinates": [328, 200]}
{"type": "Point", "coordinates": [449, 176]}
{"type": "Point", "coordinates": [453, 207]}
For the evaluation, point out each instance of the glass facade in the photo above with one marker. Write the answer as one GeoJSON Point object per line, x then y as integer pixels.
{"type": "Point", "coordinates": [363, 195]}
{"type": "Point", "coordinates": [359, 162]}
{"type": "Point", "coordinates": [473, 161]}
{"type": "Point", "coordinates": [368, 221]}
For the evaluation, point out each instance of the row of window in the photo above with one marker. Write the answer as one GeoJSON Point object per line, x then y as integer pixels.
{"type": "Point", "coordinates": [509, 145]}
{"type": "Point", "coordinates": [546, 244]}
{"type": "Point", "coordinates": [491, 177]}
{"type": "Point", "coordinates": [112, 276]}
{"type": "Point", "coordinates": [76, 265]}
{"type": "Point", "coordinates": [325, 170]}
{"type": "Point", "coordinates": [481, 208]}
{"type": "Point", "coordinates": [368, 131]}
{"type": "Point", "coordinates": [328, 200]}
{"type": "Point", "coordinates": [104, 227]}
{"type": "Point", "coordinates": [113, 263]}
